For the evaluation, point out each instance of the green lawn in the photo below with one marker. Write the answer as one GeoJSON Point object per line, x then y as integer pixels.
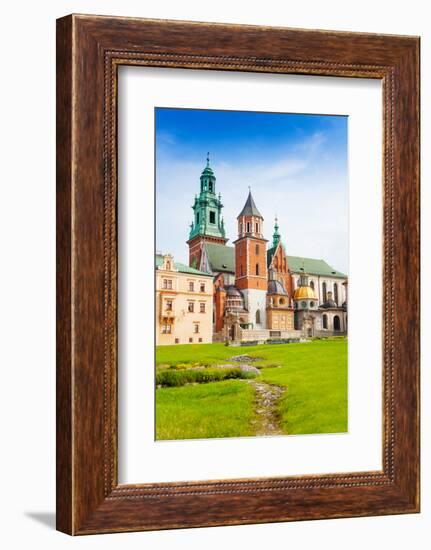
{"type": "Point", "coordinates": [217, 409]}
{"type": "Point", "coordinates": [315, 375]}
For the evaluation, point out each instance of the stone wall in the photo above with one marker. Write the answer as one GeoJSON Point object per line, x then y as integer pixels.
{"type": "Point", "coordinates": [328, 333]}
{"type": "Point", "coordinates": [262, 335]}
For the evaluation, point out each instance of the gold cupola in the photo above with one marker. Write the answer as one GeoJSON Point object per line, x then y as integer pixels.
{"type": "Point", "coordinates": [304, 297]}
{"type": "Point", "coordinates": [304, 293]}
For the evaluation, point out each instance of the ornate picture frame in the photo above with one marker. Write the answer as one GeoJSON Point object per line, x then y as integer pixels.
{"type": "Point", "coordinates": [89, 51]}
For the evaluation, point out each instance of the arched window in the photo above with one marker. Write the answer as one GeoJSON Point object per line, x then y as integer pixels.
{"type": "Point", "coordinates": [324, 292]}
{"type": "Point", "coordinates": [257, 269]}
{"type": "Point", "coordinates": [258, 317]}
{"type": "Point", "coordinates": [336, 293]}
{"type": "Point", "coordinates": [325, 321]}
{"type": "Point", "coordinates": [336, 323]}
{"type": "Point", "coordinates": [312, 284]}
{"type": "Point", "coordinates": [211, 187]}
{"type": "Point", "coordinates": [168, 265]}
{"type": "Point", "coordinates": [257, 250]}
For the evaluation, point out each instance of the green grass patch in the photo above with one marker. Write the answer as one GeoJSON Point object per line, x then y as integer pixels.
{"type": "Point", "coordinates": [196, 354]}
{"type": "Point", "coordinates": [315, 375]}
{"type": "Point", "coordinates": [219, 409]}
{"type": "Point", "coordinates": [316, 380]}
{"type": "Point", "coordinates": [181, 377]}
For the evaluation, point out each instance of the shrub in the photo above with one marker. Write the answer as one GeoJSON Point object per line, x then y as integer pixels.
{"type": "Point", "coordinates": [198, 376]}
{"type": "Point", "coordinates": [282, 340]}
{"type": "Point", "coordinates": [249, 342]}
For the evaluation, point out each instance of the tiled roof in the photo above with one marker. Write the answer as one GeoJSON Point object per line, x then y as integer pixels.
{"type": "Point", "coordinates": [297, 264]}
{"type": "Point", "coordinates": [221, 258]}
{"type": "Point", "coordinates": [182, 268]}
{"type": "Point", "coordinates": [250, 208]}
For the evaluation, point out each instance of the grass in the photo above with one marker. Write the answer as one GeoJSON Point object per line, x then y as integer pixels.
{"type": "Point", "coordinates": [219, 409]}
{"type": "Point", "coordinates": [194, 354]}
{"type": "Point", "coordinates": [314, 374]}
{"type": "Point", "coordinates": [316, 380]}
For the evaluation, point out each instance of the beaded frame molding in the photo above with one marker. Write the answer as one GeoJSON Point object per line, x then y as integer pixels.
{"type": "Point", "coordinates": [89, 51]}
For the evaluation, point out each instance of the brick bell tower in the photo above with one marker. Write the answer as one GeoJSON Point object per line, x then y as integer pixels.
{"type": "Point", "coordinates": [207, 225]}
{"type": "Point", "coordinates": [250, 262]}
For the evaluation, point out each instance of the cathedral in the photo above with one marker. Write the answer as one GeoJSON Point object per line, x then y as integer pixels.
{"type": "Point", "coordinates": [260, 292]}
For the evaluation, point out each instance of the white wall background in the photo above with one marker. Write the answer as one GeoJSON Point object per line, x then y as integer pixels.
{"type": "Point", "coordinates": [27, 241]}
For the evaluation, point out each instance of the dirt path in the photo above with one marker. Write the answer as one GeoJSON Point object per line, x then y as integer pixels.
{"type": "Point", "coordinates": [267, 396]}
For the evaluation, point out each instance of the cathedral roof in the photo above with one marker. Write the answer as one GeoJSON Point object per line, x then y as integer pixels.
{"type": "Point", "coordinates": [221, 257]}
{"type": "Point", "coordinates": [311, 266]}
{"type": "Point", "coordinates": [250, 208]}
{"type": "Point", "coordinates": [298, 264]}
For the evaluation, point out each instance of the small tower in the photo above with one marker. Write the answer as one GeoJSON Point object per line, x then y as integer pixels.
{"type": "Point", "coordinates": [276, 235]}
{"type": "Point", "coordinates": [278, 266]}
{"type": "Point", "coordinates": [250, 262]}
{"type": "Point", "coordinates": [207, 224]}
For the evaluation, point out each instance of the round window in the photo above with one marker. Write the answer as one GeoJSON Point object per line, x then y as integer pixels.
{"type": "Point", "coordinates": [281, 301]}
{"type": "Point", "coordinates": [304, 304]}
{"type": "Point", "coordinates": [311, 304]}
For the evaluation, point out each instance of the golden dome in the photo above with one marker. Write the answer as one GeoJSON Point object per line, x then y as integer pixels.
{"type": "Point", "coordinates": [304, 293]}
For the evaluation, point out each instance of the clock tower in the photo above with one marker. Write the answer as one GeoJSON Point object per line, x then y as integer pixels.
{"type": "Point", "coordinates": [207, 225]}
{"type": "Point", "coordinates": [250, 262]}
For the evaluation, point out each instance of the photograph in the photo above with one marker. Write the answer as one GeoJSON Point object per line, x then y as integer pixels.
{"type": "Point", "coordinates": [251, 273]}
{"type": "Point", "coordinates": [212, 306]}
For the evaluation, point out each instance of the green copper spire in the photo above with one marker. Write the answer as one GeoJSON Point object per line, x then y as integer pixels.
{"type": "Point", "coordinates": [276, 234]}
{"type": "Point", "coordinates": [207, 208]}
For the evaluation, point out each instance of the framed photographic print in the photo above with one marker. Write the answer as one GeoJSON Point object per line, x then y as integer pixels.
{"type": "Point", "coordinates": [237, 276]}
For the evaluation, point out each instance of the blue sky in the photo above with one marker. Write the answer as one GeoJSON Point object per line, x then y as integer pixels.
{"type": "Point", "coordinates": [296, 166]}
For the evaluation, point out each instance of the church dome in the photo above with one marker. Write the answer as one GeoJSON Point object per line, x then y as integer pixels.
{"type": "Point", "coordinates": [304, 293]}
{"type": "Point", "coordinates": [234, 301]}
{"type": "Point", "coordinates": [275, 287]}
{"type": "Point", "coordinates": [207, 171]}
{"type": "Point", "coordinates": [233, 291]}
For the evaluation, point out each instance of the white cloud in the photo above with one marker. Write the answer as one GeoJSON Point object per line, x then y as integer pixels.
{"type": "Point", "coordinates": [307, 192]}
